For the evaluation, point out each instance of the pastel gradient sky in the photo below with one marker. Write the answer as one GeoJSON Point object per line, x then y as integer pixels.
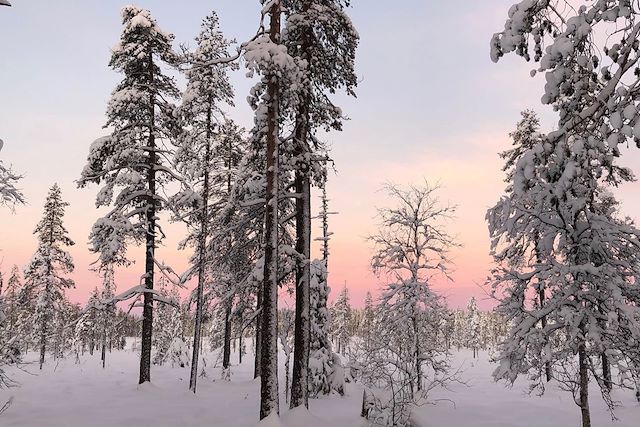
{"type": "Point", "coordinates": [431, 105]}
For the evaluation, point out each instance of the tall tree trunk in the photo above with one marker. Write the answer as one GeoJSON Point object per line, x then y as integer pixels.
{"type": "Point", "coordinates": [418, 359]}
{"type": "Point", "coordinates": [584, 382]}
{"type": "Point", "coordinates": [286, 377]}
{"type": "Point", "coordinates": [103, 356]}
{"type": "Point", "coordinates": [269, 356]}
{"type": "Point", "coordinates": [541, 297]}
{"type": "Point", "coordinates": [606, 365]}
{"type": "Point", "coordinates": [606, 371]}
{"type": "Point", "coordinates": [226, 356]}
{"type": "Point", "coordinates": [43, 341]}
{"type": "Point", "coordinates": [257, 368]}
{"type": "Point", "coordinates": [302, 336]}
{"type": "Point", "coordinates": [226, 359]}
{"type": "Point", "coordinates": [241, 334]}
{"type": "Point", "coordinates": [150, 244]}
{"type": "Point", "coordinates": [202, 243]}
{"type": "Point", "coordinates": [541, 302]}
{"type": "Point", "coordinates": [299, 384]}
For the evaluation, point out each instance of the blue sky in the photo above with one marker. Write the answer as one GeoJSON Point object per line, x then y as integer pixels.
{"type": "Point", "coordinates": [430, 105]}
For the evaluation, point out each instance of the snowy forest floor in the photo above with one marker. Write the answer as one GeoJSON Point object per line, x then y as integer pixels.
{"type": "Point", "coordinates": [69, 394]}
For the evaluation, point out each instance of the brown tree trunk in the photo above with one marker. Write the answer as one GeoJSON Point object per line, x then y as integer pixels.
{"type": "Point", "coordinates": [269, 327]}
{"type": "Point", "coordinates": [547, 365]}
{"type": "Point", "coordinates": [258, 344]}
{"type": "Point", "coordinates": [606, 371]}
{"type": "Point", "coordinates": [150, 245]}
{"type": "Point", "coordinates": [103, 356]}
{"type": "Point", "coordinates": [42, 348]}
{"type": "Point", "coordinates": [202, 243]}
{"type": "Point", "coordinates": [241, 334]}
{"type": "Point", "coordinates": [299, 384]}
{"type": "Point", "coordinates": [584, 383]}
{"type": "Point", "coordinates": [418, 360]}
{"type": "Point", "coordinates": [226, 356]}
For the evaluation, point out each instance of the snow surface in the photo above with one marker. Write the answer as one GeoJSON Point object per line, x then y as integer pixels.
{"type": "Point", "coordinates": [68, 394]}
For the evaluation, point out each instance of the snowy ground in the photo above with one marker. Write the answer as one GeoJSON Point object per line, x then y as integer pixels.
{"type": "Point", "coordinates": [69, 394]}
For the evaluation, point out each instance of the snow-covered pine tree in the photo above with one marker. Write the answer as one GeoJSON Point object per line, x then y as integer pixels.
{"type": "Point", "coordinates": [581, 250]}
{"type": "Point", "coordinates": [133, 162]}
{"type": "Point", "coordinates": [411, 247]}
{"type": "Point", "coordinates": [199, 157]}
{"type": "Point", "coordinates": [10, 300]}
{"type": "Point", "coordinates": [473, 328]}
{"type": "Point", "coordinates": [368, 317]}
{"type": "Point", "coordinates": [10, 195]}
{"type": "Point", "coordinates": [91, 324]}
{"type": "Point", "coordinates": [26, 301]}
{"type": "Point", "coordinates": [320, 35]}
{"type": "Point", "coordinates": [167, 341]}
{"type": "Point", "coordinates": [341, 320]}
{"type": "Point", "coordinates": [63, 335]}
{"type": "Point", "coordinates": [266, 56]}
{"type": "Point", "coordinates": [525, 136]}
{"type": "Point", "coordinates": [45, 273]}
{"type": "Point", "coordinates": [320, 353]}
{"type": "Point", "coordinates": [107, 313]}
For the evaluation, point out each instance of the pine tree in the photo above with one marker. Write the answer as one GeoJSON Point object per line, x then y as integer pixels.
{"type": "Point", "coordinates": [368, 317]}
{"type": "Point", "coordinates": [107, 313]}
{"type": "Point", "coordinates": [558, 225]}
{"type": "Point", "coordinates": [169, 328]}
{"type": "Point", "coordinates": [134, 160]}
{"type": "Point", "coordinates": [267, 56]}
{"type": "Point", "coordinates": [341, 320]}
{"type": "Point", "coordinates": [25, 308]}
{"type": "Point", "coordinates": [92, 324]}
{"type": "Point", "coordinates": [45, 273]}
{"type": "Point", "coordinates": [199, 157]}
{"type": "Point", "coordinates": [321, 37]}
{"type": "Point", "coordinates": [473, 320]}
{"type": "Point", "coordinates": [321, 355]}
{"type": "Point", "coordinates": [10, 298]}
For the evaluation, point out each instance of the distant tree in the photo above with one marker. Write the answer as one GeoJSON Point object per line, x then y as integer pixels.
{"type": "Point", "coordinates": [45, 273]}
{"type": "Point", "coordinates": [133, 164]}
{"type": "Point", "coordinates": [25, 306]}
{"type": "Point", "coordinates": [92, 324]}
{"type": "Point", "coordinates": [10, 298]}
{"type": "Point", "coordinates": [473, 319]}
{"type": "Point", "coordinates": [368, 317]}
{"type": "Point", "coordinates": [341, 320]}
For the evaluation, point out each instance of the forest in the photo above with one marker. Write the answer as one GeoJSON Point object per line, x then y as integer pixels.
{"type": "Point", "coordinates": [254, 327]}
